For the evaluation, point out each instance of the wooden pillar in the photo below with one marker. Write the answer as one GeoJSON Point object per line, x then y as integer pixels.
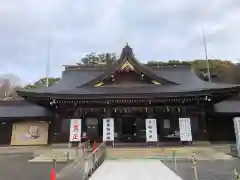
{"type": "Point", "coordinates": [204, 129]}
{"type": "Point", "coordinates": [108, 112]}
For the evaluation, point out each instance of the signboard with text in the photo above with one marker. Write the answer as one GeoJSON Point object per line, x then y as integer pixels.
{"type": "Point", "coordinates": [108, 129]}
{"type": "Point", "coordinates": [185, 129]}
{"type": "Point", "coordinates": [151, 130]}
{"type": "Point", "coordinates": [75, 130]}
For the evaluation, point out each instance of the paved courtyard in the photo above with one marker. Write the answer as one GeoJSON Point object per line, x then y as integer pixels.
{"type": "Point", "coordinates": [134, 170]}
{"type": "Point", "coordinates": [16, 166]}
{"type": "Point", "coordinates": [207, 170]}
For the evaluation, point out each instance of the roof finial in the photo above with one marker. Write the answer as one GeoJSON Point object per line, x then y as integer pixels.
{"type": "Point", "coordinates": [127, 44]}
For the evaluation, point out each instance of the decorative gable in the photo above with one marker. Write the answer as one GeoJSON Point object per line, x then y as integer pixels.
{"type": "Point", "coordinates": [155, 82]}
{"type": "Point", "coordinates": [128, 71]}
{"type": "Point", "coordinates": [127, 66]}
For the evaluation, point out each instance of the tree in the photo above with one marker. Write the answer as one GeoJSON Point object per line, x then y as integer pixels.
{"type": "Point", "coordinates": [236, 74]}
{"type": "Point", "coordinates": [42, 83]}
{"type": "Point", "coordinates": [220, 70]}
{"type": "Point", "coordinates": [170, 62]}
{"type": "Point", "coordinates": [96, 59]}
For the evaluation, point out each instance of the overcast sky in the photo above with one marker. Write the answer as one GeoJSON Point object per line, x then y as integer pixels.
{"type": "Point", "coordinates": [156, 29]}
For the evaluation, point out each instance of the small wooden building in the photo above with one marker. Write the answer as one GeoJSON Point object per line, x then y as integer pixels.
{"type": "Point", "coordinates": [23, 123]}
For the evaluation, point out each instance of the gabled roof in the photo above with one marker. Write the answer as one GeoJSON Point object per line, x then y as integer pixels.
{"type": "Point", "coordinates": [175, 81]}
{"type": "Point", "coordinates": [127, 57]}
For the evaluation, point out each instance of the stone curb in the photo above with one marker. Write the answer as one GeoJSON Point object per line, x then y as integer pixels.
{"type": "Point", "coordinates": [47, 161]}
{"type": "Point", "coordinates": [15, 153]}
{"type": "Point", "coordinates": [152, 158]}
{"type": "Point", "coordinates": [181, 159]}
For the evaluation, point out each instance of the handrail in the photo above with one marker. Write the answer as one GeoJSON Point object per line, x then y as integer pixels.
{"type": "Point", "coordinates": [82, 148]}
{"type": "Point", "coordinates": [84, 167]}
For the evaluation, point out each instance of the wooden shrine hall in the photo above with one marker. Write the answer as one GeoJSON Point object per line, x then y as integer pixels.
{"type": "Point", "coordinates": [130, 92]}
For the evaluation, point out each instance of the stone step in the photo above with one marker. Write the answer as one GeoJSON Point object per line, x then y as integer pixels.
{"type": "Point", "coordinates": [60, 155]}
{"type": "Point", "coordinates": [137, 153]}
{"type": "Point", "coordinates": [166, 153]}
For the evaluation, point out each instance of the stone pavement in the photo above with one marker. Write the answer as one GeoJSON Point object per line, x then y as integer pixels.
{"type": "Point", "coordinates": [134, 169]}
{"type": "Point", "coordinates": [16, 167]}
{"type": "Point", "coordinates": [20, 149]}
{"type": "Point", "coordinates": [206, 170]}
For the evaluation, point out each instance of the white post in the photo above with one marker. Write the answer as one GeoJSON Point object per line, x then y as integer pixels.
{"type": "Point", "coordinates": [236, 121]}
{"type": "Point", "coordinates": [175, 160]}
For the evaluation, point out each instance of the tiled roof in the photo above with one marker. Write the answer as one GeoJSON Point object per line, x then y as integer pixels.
{"type": "Point", "coordinates": [21, 109]}
{"type": "Point", "coordinates": [228, 106]}
{"type": "Point", "coordinates": [178, 80]}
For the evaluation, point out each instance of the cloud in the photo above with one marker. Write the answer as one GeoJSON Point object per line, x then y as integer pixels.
{"type": "Point", "coordinates": [157, 29]}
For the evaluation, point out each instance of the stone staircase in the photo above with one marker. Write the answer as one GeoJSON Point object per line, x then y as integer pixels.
{"type": "Point", "coordinates": [170, 154]}
{"type": "Point", "coordinates": [138, 153]}
{"type": "Point", "coordinates": [60, 154]}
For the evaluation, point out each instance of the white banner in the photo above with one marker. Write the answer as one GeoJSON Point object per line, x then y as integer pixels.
{"type": "Point", "coordinates": [75, 130]}
{"type": "Point", "coordinates": [108, 129]}
{"type": "Point", "coordinates": [236, 121]}
{"type": "Point", "coordinates": [185, 129]}
{"type": "Point", "coordinates": [151, 130]}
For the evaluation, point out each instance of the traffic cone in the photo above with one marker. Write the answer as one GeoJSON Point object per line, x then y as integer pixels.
{"type": "Point", "coordinates": [94, 145]}
{"type": "Point", "coordinates": [52, 174]}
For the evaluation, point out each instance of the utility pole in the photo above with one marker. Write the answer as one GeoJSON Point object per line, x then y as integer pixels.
{"type": "Point", "coordinates": [206, 56]}
{"type": "Point", "coordinates": [48, 62]}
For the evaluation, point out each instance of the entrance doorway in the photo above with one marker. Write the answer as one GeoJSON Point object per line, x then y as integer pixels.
{"type": "Point", "coordinates": [128, 129]}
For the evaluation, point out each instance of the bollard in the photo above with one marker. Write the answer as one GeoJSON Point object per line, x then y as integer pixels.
{"type": "Point", "coordinates": [53, 173]}
{"type": "Point", "coordinates": [174, 159]}
{"type": "Point", "coordinates": [193, 159]}
{"type": "Point", "coordinates": [54, 162]}
{"type": "Point", "coordinates": [236, 174]}
{"type": "Point", "coordinates": [67, 156]}
{"type": "Point", "coordinates": [77, 151]}
{"type": "Point", "coordinates": [194, 166]}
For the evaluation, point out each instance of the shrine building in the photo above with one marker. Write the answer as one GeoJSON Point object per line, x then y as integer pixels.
{"type": "Point", "coordinates": [129, 92]}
